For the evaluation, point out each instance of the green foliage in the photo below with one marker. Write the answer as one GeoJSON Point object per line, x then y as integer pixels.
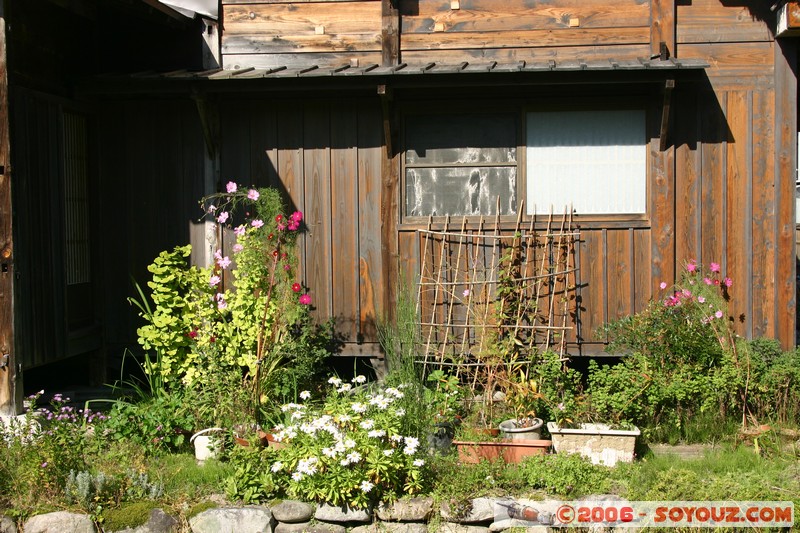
{"type": "Point", "coordinates": [257, 327]}
{"type": "Point", "coordinates": [158, 425]}
{"type": "Point", "coordinates": [565, 475]}
{"type": "Point", "coordinates": [128, 515]}
{"type": "Point", "coordinates": [250, 483]}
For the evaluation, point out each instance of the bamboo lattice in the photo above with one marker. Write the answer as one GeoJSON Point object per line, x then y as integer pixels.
{"type": "Point", "coordinates": [492, 297]}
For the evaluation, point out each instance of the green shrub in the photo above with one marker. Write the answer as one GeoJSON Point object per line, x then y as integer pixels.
{"type": "Point", "coordinates": [565, 475]}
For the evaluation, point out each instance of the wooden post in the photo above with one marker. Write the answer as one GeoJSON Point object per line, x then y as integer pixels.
{"type": "Point", "coordinates": [390, 33]}
{"type": "Point", "coordinates": [10, 386]}
{"type": "Point", "coordinates": [662, 28]}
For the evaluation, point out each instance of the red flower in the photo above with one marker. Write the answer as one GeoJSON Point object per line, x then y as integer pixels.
{"type": "Point", "coordinates": [296, 287]}
{"type": "Point", "coordinates": [278, 218]}
{"type": "Point", "coordinates": [275, 253]}
{"type": "Point", "coordinates": [212, 339]}
{"type": "Point", "coordinates": [271, 236]}
{"type": "Point", "coordinates": [192, 334]}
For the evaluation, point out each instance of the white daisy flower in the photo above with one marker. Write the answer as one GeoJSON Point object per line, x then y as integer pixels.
{"type": "Point", "coordinates": [359, 379]}
{"type": "Point", "coordinates": [305, 395]}
{"type": "Point", "coordinates": [277, 466]}
{"type": "Point", "coordinates": [366, 486]}
{"type": "Point", "coordinates": [419, 462]}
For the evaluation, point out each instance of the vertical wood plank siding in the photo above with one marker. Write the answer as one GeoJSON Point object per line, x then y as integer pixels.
{"type": "Point", "coordinates": [151, 177]}
{"type": "Point", "coordinates": [326, 157]}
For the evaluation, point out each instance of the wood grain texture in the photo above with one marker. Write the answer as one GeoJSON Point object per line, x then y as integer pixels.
{"type": "Point", "coordinates": [785, 173]}
{"type": "Point", "coordinates": [317, 194]}
{"type": "Point", "coordinates": [450, 40]}
{"type": "Point", "coordinates": [373, 283]}
{"type": "Point", "coordinates": [710, 21]}
{"type": "Point", "coordinates": [714, 131]}
{"type": "Point", "coordinates": [733, 59]}
{"type": "Point", "coordinates": [509, 16]}
{"type": "Point", "coordinates": [764, 212]}
{"type": "Point", "coordinates": [10, 382]}
{"type": "Point", "coordinates": [562, 53]}
{"type": "Point", "coordinates": [287, 44]}
{"type": "Point", "coordinates": [688, 203]}
{"type": "Point", "coordinates": [619, 252]}
{"type": "Point", "coordinates": [736, 262]}
{"type": "Point", "coordinates": [662, 26]}
{"type": "Point", "coordinates": [339, 18]}
{"type": "Point", "coordinates": [661, 206]}
{"type": "Point", "coordinates": [346, 268]}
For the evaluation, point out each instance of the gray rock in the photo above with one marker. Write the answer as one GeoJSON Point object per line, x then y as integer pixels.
{"type": "Point", "coordinates": [481, 511]}
{"type": "Point", "coordinates": [407, 510]}
{"type": "Point", "coordinates": [523, 525]}
{"type": "Point", "coordinates": [248, 519]}
{"type": "Point", "coordinates": [292, 511]}
{"type": "Point", "coordinates": [308, 527]}
{"type": "Point", "coordinates": [329, 513]}
{"type": "Point", "coordinates": [7, 525]}
{"type": "Point", "coordinates": [391, 527]}
{"type": "Point", "coordinates": [450, 527]}
{"type": "Point", "coordinates": [158, 522]}
{"type": "Point", "coordinates": [59, 522]}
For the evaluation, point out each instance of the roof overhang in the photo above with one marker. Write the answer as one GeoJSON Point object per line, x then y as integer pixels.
{"type": "Point", "coordinates": [317, 78]}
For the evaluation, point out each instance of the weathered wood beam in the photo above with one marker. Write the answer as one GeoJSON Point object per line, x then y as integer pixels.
{"type": "Point", "coordinates": [10, 384]}
{"type": "Point", "coordinates": [662, 28]}
{"type": "Point", "coordinates": [386, 96]}
{"type": "Point", "coordinates": [669, 86]}
{"type": "Point", "coordinates": [788, 20]}
{"type": "Point", "coordinates": [390, 33]}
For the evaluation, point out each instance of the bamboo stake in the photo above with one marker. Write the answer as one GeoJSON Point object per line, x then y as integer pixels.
{"type": "Point", "coordinates": [453, 289]}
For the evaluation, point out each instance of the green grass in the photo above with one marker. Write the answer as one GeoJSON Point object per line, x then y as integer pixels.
{"type": "Point", "coordinates": [185, 480]}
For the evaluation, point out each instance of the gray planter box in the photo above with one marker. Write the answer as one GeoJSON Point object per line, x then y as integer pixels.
{"type": "Point", "coordinates": [596, 442]}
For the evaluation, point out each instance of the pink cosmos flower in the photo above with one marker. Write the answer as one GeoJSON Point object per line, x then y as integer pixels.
{"type": "Point", "coordinates": [221, 303]}
{"type": "Point", "coordinates": [239, 230]}
{"type": "Point", "coordinates": [231, 187]}
{"type": "Point", "coordinates": [728, 282]}
{"type": "Point", "coordinates": [701, 299]}
{"type": "Point", "coordinates": [686, 293]}
{"type": "Point", "coordinates": [708, 281]}
{"type": "Point", "coordinates": [224, 262]}
{"type": "Point", "coordinates": [237, 248]}
{"type": "Point", "coordinates": [252, 194]}
{"type": "Point", "coordinates": [718, 314]}
{"type": "Point", "coordinates": [281, 227]}
{"type": "Point", "coordinates": [297, 216]}
{"type": "Point", "coordinates": [663, 285]}
{"type": "Point", "coordinates": [257, 223]}
{"type": "Point", "coordinates": [287, 268]}
{"type": "Point", "coordinates": [692, 266]}
{"type": "Point", "coordinates": [466, 293]}
{"type": "Point", "coordinates": [223, 217]}
{"type": "Point", "coordinates": [714, 267]}
{"type": "Point", "coordinates": [292, 226]}
{"type": "Point", "coordinates": [305, 299]}
{"type": "Point", "coordinates": [214, 280]}
{"type": "Point", "coordinates": [218, 255]}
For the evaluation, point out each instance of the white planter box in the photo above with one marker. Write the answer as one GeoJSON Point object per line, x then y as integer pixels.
{"type": "Point", "coordinates": [596, 442]}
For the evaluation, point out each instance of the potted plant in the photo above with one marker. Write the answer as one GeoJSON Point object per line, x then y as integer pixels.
{"type": "Point", "coordinates": [601, 437]}
{"type": "Point", "coordinates": [523, 397]}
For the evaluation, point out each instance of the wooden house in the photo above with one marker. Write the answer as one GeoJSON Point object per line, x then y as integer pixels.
{"type": "Point", "coordinates": [385, 119]}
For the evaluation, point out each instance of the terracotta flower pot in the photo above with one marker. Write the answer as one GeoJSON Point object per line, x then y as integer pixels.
{"type": "Point", "coordinates": [511, 451]}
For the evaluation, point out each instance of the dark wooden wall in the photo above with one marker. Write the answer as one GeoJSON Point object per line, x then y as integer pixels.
{"type": "Point", "coordinates": [151, 176]}
{"type": "Point", "coordinates": [326, 157]}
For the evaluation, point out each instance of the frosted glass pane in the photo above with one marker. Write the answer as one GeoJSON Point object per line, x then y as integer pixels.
{"type": "Point", "coordinates": [595, 161]}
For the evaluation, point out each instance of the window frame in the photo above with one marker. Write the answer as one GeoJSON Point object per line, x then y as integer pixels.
{"type": "Point", "coordinates": [521, 108]}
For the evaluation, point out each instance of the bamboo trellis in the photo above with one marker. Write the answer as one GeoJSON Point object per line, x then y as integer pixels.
{"type": "Point", "coordinates": [494, 296]}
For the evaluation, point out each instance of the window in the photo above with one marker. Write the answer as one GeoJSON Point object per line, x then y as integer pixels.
{"type": "Point", "coordinates": [467, 163]}
{"type": "Point", "coordinates": [460, 164]}
{"type": "Point", "coordinates": [595, 161]}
